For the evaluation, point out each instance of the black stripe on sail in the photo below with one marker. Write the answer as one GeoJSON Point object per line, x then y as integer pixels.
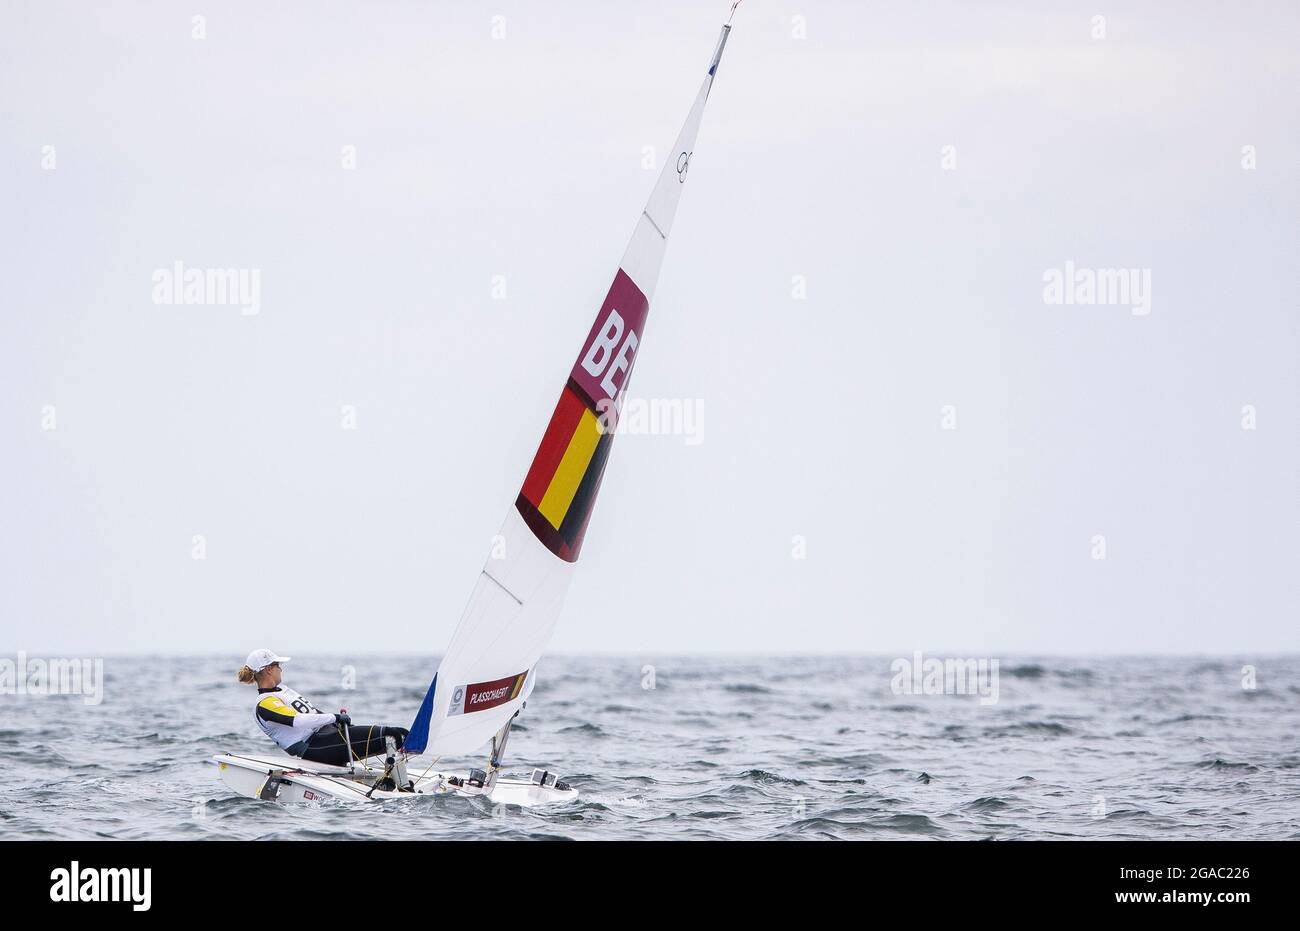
{"type": "Point", "coordinates": [574, 527]}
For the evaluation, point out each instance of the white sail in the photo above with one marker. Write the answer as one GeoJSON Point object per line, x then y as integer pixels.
{"type": "Point", "coordinates": [490, 665]}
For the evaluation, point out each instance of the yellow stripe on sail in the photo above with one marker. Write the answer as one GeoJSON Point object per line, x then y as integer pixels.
{"type": "Point", "coordinates": [568, 476]}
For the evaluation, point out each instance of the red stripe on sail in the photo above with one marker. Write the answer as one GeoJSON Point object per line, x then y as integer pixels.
{"type": "Point", "coordinates": [554, 442]}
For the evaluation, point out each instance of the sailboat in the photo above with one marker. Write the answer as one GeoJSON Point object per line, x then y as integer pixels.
{"type": "Point", "coordinates": [490, 667]}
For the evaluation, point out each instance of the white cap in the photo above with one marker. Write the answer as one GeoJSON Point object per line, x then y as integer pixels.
{"type": "Point", "coordinates": [260, 659]}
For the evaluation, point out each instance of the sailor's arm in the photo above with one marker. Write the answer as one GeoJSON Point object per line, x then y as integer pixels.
{"type": "Point", "coordinates": [277, 712]}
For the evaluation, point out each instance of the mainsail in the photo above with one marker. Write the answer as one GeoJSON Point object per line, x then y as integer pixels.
{"type": "Point", "coordinates": [490, 666]}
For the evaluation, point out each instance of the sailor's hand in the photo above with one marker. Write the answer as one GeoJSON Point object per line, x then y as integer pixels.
{"type": "Point", "coordinates": [343, 719]}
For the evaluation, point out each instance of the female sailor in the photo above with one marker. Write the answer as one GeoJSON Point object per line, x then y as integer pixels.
{"type": "Point", "coordinates": [299, 728]}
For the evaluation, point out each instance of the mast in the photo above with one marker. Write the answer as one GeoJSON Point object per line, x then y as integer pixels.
{"type": "Point", "coordinates": [498, 751]}
{"type": "Point", "coordinates": [489, 668]}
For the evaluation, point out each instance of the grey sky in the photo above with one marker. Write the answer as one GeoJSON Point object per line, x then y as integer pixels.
{"type": "Point", "coordinates": [522, 157]}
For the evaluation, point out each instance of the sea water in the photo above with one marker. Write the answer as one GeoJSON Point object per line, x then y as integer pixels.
{"type": "Point", "coordinates": [703, 747]}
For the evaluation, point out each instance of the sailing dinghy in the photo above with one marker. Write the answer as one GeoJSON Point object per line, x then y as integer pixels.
{"type": "Point", "coordinates": [490, 667]}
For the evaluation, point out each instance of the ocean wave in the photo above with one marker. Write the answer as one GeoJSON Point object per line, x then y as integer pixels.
{"type": "Point", "coordinates": [797, 748]}
{"type": "Point", "coordinates": [1048, 728]}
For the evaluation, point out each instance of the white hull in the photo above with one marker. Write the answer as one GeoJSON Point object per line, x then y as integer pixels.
{"type": "Point", "coordinates": [290, 780]}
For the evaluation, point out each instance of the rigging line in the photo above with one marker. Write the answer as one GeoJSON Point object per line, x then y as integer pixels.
{"type": "Point", "coordinates": [487, 647]}
{"type": "Point", "coordinates": [430, 766]}
{"type": "Point", "coordinates": [646, 214]}
{"type": "Point", "coordinates": [518, 600]}
{"type": "Point", "coordinates": [348, 743]}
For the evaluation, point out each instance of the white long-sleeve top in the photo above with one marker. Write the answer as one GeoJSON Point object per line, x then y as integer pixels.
{"type": "Point", "coordinates": [288, 718]}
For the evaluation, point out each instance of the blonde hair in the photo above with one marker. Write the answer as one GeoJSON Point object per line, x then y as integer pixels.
{"type": "Point", "coordinates": [246, 675]}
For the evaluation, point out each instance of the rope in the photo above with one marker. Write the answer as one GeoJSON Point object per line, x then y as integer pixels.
{"type": "Point", "coordinates": [387, 769]}
{"type": "Point", "coordinates": [348, 743]}
{"type": "Point", "coordinates": [431, 762]}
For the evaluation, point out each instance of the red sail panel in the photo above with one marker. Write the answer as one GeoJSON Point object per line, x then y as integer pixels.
{"type": "Point", "coordinates": [554, 442]}
{"type": "Point", "coordinates": [605, 364]}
